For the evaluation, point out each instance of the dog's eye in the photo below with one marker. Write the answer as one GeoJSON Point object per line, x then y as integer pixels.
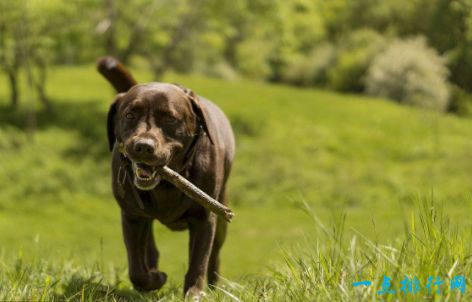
{"type": "Point", "coordinates": [129, 116]}
{"type": "Point", "coordinates": [170, 120]}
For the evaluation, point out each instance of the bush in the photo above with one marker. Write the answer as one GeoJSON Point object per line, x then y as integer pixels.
{"type": "Point", "coordinates": [460, 101]}
{"type": "Point", "coordinates": [410, 72]}
{"type": "Point", "coordinates": [252, 58]}
{"type": "Point", "coordinates": [220, 70]}
{"type": "Point", "coordinates": [354, 60]}
{"type": "Point", "coordinates": [308, 70]}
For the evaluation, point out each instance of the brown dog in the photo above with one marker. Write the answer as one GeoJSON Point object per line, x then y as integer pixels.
{"type": "Point", "coordinates": [155, 124]}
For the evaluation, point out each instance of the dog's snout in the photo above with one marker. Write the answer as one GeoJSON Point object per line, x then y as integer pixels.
{"type": "Point", "coordinates": [144, 146]}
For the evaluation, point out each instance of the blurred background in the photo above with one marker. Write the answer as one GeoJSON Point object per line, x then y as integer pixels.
{"type": "Point", "coordinates": [349, 46]}
{"type": "Point", "coordinates": [355, 110]}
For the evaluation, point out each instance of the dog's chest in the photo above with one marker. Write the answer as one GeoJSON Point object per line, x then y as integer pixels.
{"type": "Point", "coordinates": [166, 204]}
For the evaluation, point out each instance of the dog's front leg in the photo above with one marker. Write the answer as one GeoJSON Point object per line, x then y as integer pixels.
{"type": "Point", "coordinates": [136, 232]}
{"type": "Point", "coordinates": [202, 232]}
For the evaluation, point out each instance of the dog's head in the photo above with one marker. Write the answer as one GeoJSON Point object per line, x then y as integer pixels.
{"type": "Point", "coordinates": [154, 125]}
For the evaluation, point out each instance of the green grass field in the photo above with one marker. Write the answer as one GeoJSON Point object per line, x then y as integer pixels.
{"type": "Point", "coordinates": [379, 164]}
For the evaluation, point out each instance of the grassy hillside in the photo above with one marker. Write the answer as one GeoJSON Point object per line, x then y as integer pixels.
{"type": "Point", "coordinates": [367, 158]}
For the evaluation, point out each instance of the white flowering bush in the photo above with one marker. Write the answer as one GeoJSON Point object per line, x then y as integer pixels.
{"type": "Point", "coordinates": [410, 72]}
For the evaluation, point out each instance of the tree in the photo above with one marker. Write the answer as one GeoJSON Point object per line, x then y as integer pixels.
{"type": "Point", "coordinates": [125, 27]}
{"type": "Point", "coordinates": [9, 47]}
{"type": "Point", "coordinates": [176, 38]}
{"type": "Point", "coordinates": [28, 33]}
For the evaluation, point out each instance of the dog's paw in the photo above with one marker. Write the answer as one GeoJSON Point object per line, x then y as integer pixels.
{"type": "Point", "coordinates": [159, 277]}
{"type": "Point", "coordinates": [156, 281]}
{"type": "Point", "coordinates": [194, 294]}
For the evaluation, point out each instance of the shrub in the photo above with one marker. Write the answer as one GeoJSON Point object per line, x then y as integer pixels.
{"type": "Point", "coordinates": [252, 58]}
{"type": "Point", "coordinates": [311, 69]}
{"type": "Point", "coordinates": [354, 60]}
{"type": "Point", "coordinates": [460, 64]}
{"type": "Point", "coordinates": [221, 70]}
{"type": "Point", "coordinates": [460, 101]}
{"type": "Point", "coordinates": [410, 72]}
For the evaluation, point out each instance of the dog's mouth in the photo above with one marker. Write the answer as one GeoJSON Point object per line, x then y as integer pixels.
{"type": "Point", "coordinates": [145, 176]}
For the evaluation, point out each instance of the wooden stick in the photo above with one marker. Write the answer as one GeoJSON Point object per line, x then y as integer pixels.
{"type": "Point", "coordinates": [195, 193]}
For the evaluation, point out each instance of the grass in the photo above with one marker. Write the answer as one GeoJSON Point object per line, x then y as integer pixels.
{"type": "Point", "coordinates": [369, 157]}
{"type": "Point", "coordinates": [318, 268]}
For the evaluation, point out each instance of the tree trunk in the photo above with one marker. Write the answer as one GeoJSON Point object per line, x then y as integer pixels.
{"type": "Point", "coordinates": [40, 85]}
{"type": "Point", "coordinates": [13, 82]}
{"type": "Point", "coordinates": [132, 44]}
{"type": "Point", "coordinates": [158, 67]}
{"type": "Point", "coordinates": [188, 22]}
{"type": "Point", "coordinates": [139, 30]}
{"type": "Point", "coordinates": [10, 68]}
{"type": "Point", "coordinates": [110, 38]}
{"type": "Point", "coordinates": [231, 46]}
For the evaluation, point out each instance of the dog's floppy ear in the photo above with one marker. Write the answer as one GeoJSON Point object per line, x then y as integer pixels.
{"type": "Point", "coordinates": [200, 113]}
{"type": "Point", "coordinates": [202, 117]}
{"type": "Point", "coordinates": [111, 118]}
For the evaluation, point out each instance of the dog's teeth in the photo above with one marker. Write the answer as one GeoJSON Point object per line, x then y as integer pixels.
{"type": "Point", "coordinates": [138, 173]}
{"type": "Point", "coordinates": [143, 175]}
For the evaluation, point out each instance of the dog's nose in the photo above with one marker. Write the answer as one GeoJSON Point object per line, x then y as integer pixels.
{"type": "Point", "coordinates": [144, 146]}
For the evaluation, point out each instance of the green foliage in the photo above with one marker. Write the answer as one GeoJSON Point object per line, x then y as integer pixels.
{"type": "Point", "coordinates": [460, 64]}
{"type": "Point", "coordinates": [252, 59]}
{"type": "Point", "coordinates": [302, 42]}
{"type": "Point", "coordinates": [411, 73]}
{"type": "Point", "coordinates": [29, 31]}
{"type": "Point", "coordinates": [311, 69]}
{"type": "Point", "coordinates": [460, 101]}
{"type": "Point", "coordinates": [304, 24]}
{"type": "Point", "coordinates": [355, 57]}
{"type": "Point", "coordinates": [221, 70]}
{"type": "Point", "coordinates": [344, 16]}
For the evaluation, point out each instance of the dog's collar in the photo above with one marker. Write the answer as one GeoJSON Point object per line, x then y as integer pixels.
{"type": "Point", "coordinates": [190, 154]}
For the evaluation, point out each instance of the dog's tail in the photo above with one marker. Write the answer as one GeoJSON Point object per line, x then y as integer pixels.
{"type": "Point", "coordinates": [116, 73]}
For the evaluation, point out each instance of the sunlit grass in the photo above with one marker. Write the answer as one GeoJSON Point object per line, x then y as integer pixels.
{"type": "Point", "coordinates": [319, 268]}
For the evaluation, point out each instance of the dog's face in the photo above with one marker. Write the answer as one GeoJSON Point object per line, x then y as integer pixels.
{"type": "Point", "coordinates": [154, 124]}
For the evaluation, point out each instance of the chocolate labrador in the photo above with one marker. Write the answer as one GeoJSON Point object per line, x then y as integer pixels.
{"type": "Point", "coordinates": [155, 124]}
